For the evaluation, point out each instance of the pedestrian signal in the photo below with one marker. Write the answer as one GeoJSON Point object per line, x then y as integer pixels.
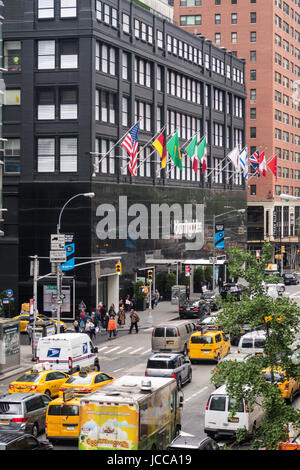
{"type": "Point", "coordinates": [119, 268]}
{"type": "Point", "coordinates": [150, 276]}
{"type": "Point", "coordinates": [282, 249]}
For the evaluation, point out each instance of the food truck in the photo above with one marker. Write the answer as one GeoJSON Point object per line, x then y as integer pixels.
{"type": "Point", "coordinates": [132, 413]}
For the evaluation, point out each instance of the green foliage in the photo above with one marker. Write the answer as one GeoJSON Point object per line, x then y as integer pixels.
{"type": "Point", "coordinates": [199, 276]}
{"type": "Point", "coordinates": [183, 279]}
{"type": "Point", "coordinates": [279, 318]}
{"type": "Point", "coordinates": [208, 273]}
{"type": "Point", "coordinates": [170, 282]}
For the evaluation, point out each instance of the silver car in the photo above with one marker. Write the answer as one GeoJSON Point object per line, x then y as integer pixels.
{"type": "Point", "coordinates": [24, 412]}
{"type": "Point", "coordinates": [173, 365]}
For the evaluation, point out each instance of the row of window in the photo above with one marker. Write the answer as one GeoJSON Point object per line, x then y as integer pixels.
{"type": "Point", "coordinates": [195, 20]}
{"type": "Point", "coordinates": [46, 9]}
{"type": "Point", "coordinates": [287, 29]}
{"type": "Point", "coordinates": [287, 47]}
{"type": "Point", "coordinates": [289, 10]}
{"type": "Point", "coordinates": [287, 137]}
{"type": "Point", "coordinates": [194, 3]}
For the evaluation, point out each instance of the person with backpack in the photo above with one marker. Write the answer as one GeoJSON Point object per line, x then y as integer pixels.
{"type": "Point", "coordinates": [134, 318]}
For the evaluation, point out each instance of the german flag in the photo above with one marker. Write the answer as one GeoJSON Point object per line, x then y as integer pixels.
{"type": "Point", "coordinates": [161, 146]}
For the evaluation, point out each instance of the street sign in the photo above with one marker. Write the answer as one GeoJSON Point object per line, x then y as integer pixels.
{"type": "Point", "coordinates": [58, 241]}
{"type": "Point", "coordinates": [219, 237]}
{"type": "Point", "coordinates": [212, 259]}
{"type": "Point", "coordinates": [58, 256]}
{"type": "Point", "coordinates": [9, 293]}
{"type": "Point", "coordinates": [187, 270]}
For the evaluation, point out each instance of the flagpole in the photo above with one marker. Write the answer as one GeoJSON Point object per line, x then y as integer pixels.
{"type": "Point", "coordinates": [152, 138]}
{"type": "Point", "coordinates": [168, 161]}
{"type": "Point", "coordinates": [221, 161]}
{"type": "Point", "coordinates": [253, 176]}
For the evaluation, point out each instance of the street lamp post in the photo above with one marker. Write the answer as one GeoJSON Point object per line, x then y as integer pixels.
{"type": "Point", "coordinates": [241, 211]}
{"type": "Point", "coordinates": [59, 273]}
{"type": "Point", "coordinates": [287, 197]}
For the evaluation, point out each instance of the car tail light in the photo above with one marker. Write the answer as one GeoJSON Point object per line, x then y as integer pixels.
{"type": "Point", "coordinates": [173, 376]}
{"type": "Point", "coordinates": [178, 333]}
{"type": "Point", "coordinates": [286, 386]}
{"type": "Point", "coordinates": [146, 375]}
{"type": "Point", "coordinates": [85, 390]}
{"type": "Point", "coordinates": [11, 387]}
{"type": "Point", "coordinates": [19, 420]}
{"type": "Point", "coordinates": [62, 389]}
{"type": "Point", "coordinates": [33, 387]}
{"type": "Point", "coordinates": [181, 308]}
{"type": "Point", "coordinates": [70, 362]}
{"type": "Point", "coordinates": [246, 408]}
{"type": "Point", "coordinates": [207, 405]}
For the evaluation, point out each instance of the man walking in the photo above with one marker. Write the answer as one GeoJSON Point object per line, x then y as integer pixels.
{"type": "Point", "coordinates": [134, 318]}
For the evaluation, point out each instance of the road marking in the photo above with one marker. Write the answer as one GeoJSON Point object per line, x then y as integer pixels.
{"type": "Point", "coordinates": [113, 349]}
{"type": "Point", "coordinates": [117, 370]}
{"type": "Point", "coordinates": [147, 351]}
{"type": "Point", "coordinates": [102, 349]}
{"type": "Point", "coordinates": [126, 349]}
{"type": "Point", "coordinates": [136, 350]}
{"type": "Point", "coordinates": [196, 394]}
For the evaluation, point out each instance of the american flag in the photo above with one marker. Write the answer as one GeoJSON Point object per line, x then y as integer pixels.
{"type": "Point", "coordinates": [254, 161]}
{"type": "Point", "coordinates": [130, 143]}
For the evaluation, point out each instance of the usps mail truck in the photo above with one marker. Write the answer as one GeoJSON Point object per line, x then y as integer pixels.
{"type": "Point", "coordinates": [68, 352]}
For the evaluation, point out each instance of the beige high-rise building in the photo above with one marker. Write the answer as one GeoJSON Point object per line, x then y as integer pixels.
{"type": "Point", "coordinates": [266, 33]}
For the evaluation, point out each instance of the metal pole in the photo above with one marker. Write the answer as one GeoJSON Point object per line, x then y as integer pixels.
{"type": "Point", "coordinates": [35, 279]}
{"type": "Point", "coordinates": [59, 295]}
{"type": "Point", "coordinates": [150, 308]}
{"type": "Point", "coordinates": [214, 252]}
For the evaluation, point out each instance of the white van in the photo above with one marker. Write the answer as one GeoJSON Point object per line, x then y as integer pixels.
{"type": "Point", "coordinates": [172, 337]}
{"type": "Point", "coordinates": [217, 421]}
{"type": "Point", "coordinates": [68, 352]}
{"type": "Point", "coordinates": [252, 343]}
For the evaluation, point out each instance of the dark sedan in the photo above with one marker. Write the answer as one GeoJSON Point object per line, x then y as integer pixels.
{"type": "Point", "coordinates": [211, 298]}
{"type": "Point", "coordinates": [290, 279]}
{"type": "Point", "coordinates": [183, 442]}
{"type": "Point", "coordinates": [236, 290]}
{"type": "Point", "coordinates": [196, 309]}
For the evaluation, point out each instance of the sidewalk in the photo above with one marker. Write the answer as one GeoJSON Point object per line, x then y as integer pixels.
{"type": "Point", "coordinates": [165, 311]}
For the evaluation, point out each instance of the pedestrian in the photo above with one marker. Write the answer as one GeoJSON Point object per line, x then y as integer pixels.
{"type": "Point", "coordinates": [187, 292]}
{"type": "Point", "coordinates": [200, 287]}
{"type": "Point", "coordinates": [90, 328]}
{"type": "Point", "coordinates": [105, 321]}
{"type": "Point", "coordinates": [134, 318]}
{"type": "Point", "coordinates": [127, 303]}
{"type": "Point", "coordinates": [220, 284]}
{"type": "Point", "coordinates": [111, 311]}
{"type": "Point", "coordinates": [28, 329]}
{"type": "Point", "coordinates": [76, 326]}
{"type": "Point", "coordinates": [121, 317]}
{"type": "Point", "coordinates": [156, 298]}
{"type": "Point", "coordinates": [112, 327]}
{"type": "Point", "coordinates": [81, 306]}
{"type": "Point", "coordinates": [97, 321]}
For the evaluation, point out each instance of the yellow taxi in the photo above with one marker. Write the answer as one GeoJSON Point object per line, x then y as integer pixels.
{"type": "Point", "coordinates": [62, 417]}
{"type": "Point", "coordinates": [39, 380]}
{"type": "Point", "coordinates": [288, 387]}
{"type": "Point", "coordinates": [208, 344]}
{"type": "Point", "coordinates": [86, 382]}
{"type": "Point", "coordinates": [24, 319]}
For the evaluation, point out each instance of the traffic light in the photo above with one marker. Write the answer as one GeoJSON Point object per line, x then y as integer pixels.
{"type": "Point", "coordinates": [150, 276]}
{"type": "Point", "coordinates": [282, 249]}
{"type": "Point", "coordinates": [119, 268]}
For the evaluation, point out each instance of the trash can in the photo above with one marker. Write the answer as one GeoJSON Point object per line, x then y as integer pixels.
{"type": "Point", "coordinates": [9, 344]}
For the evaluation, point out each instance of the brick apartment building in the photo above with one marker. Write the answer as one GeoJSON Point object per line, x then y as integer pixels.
{"type": "Point", "coordinates": [267, 36]}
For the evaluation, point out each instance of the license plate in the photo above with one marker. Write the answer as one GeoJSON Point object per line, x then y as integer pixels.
{"type": "Point", "coordinates": [70, 428]}
{"type": "Point", "coordinates": [242, 331]}
{"type": "Point", "coordinates": [205, 351]}
{"type": "Point", "coordinates": [170, 342]}
{"type": "Point", "coordinates": [233, 420]}
{"type": "Point", "coordinates": [258, 354]}
{"type": "Point", "coordinates": [4, 421]}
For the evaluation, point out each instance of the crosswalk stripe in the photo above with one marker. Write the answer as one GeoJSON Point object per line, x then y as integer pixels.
{"type": "Point", "coordinates": [113, 349]}
{"type": "Point", "coordinates": [136, 350]}
{"type": "Point", "coordinates": [126, 349]}
{"type": "Point", "coordinates": [102, 349]}
{"type": "Point", "coordinates": [147, 351]}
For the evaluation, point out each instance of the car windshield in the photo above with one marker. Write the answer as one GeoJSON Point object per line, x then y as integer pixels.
{"type": "Point", "coordinates": [202, 339]}
{"type": "Point", "coordinates": [63, 410]}
{"type": "Point", "coordinates": [289, 275]}
{"type": "Point", "coordinates": [157, 364]}
{"type": "Point", "coordinates": [29, 378]}
{"type": "Point", "coordinates": [159, 332]}
{"type": "Point", "coordinates": [80, 380]}
{"type": "Point", "coordinates": [7, 408]}
{"type": "Point", "coordinates": [217, 403]}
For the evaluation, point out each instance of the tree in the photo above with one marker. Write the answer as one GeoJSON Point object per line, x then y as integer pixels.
{"type": "Point", "coordinates": [198, 277]}
{"type": "Point", "coordinates": [170, 282]}
{"type": "Point", "coordinates": [279, 318]}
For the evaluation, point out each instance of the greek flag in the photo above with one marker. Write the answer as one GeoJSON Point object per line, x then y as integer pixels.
{"type": "Point", "coordinates": [244, 162]}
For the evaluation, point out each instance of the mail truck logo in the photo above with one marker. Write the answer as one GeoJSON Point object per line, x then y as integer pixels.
{"type": "Point", "coordinates": [53, 352]}
{"type": "Point", "coordinates": [154, 221]}
{"type": "Point", "coordinates": [84, 348]}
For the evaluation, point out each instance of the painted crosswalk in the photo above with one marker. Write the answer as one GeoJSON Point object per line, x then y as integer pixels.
{"type": "Point", "coordinates": [130, 350]}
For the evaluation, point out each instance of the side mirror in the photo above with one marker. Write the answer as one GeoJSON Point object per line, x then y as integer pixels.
{"type": "Point", "coordinates": [95, 349]}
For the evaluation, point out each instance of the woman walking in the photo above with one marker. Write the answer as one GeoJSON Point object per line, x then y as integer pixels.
{"type": "Point", "coordinates": [134, 322]}
{"type": "Point", "coordinates": [112, 327]}
{"type": "Point", "coordinates": [121, 317]}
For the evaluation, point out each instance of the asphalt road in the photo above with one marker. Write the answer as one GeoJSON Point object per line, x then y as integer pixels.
{"type": "Point", "coordinates": [127, 354]}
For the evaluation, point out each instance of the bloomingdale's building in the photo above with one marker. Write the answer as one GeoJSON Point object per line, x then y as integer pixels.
{"type": "Point", "coordinates": [79, 75]}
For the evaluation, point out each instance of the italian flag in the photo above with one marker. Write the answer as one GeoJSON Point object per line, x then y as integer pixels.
{"type": "Point", "coordinates": [202, 154]}
{"type": "Point", "coordinates": [191, 150]}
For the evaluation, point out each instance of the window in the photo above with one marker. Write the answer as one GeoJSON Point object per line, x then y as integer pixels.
{"type": "Point", "coordinates": [68, 8]}
{"type": "Point", "coordinates": [137, 28]}
{"type": "Point", "coordinates": [253, 75]}
{"type": "Point", "coordinates": [125, 62]}
{"type": "Point", "coordinates": [12, 56]}
{"type": "Point", "coordinates": [253, 190]}
{"type": "Point", "coordinates": [253, 95]}
{"type": "Point", "coordinates": [234, 38]}
{"type": "Point", "coordinates": [106, 18]}
{"type": "Point", "coordinates": [45, 9]}
{"type": "Point", "coordinates": [99, 10]}
{"type": "Point", "coordinates": [106, 146]}
{"type": "Point", "coordinates": [12, 97]}
{"type": "Point", "coordinates": [253, 132]}
{"type": "Point", "coordinates": [46, 104]}
{"type": "Point", "coordinates": [114, 18]}
{"type": "Point", "coordinates": [68, 52]}
{"type": "Point", "coordinates": [190, 20]}
{"type": "Point", "coordinates": [106, 106]}
{"type": "Point", "coordinates": [126, 23]}
{"type": "Point", "coordinates": [125, 111]}
{"type": "Point", "coordinates": [160, 43]}
{"type": "Point", "coordinates": [217, 38]}
{"type": "Point", "coordinates": [68, 104]}
{"type": "Point", "coordinates": [217, 18]}
{"type": "Point", "coordinates": [105, 59]}
{"type": "Point", "coordinates": [46, 54]}
{"type": "Point", "coordinates": [252, 36]}
{"type": "Point", "coordinates": [68, 154]}
{"type": "Point", "coordinates": [252, 56]}
{"type": "Point", "coordinates": [253, 17]}
{"type": "Point", "coordinates": [12, 153]}
{"type": "Point", "coordinates": [233, 18]}
{"type": "Point", "coordinates": [46, 155]}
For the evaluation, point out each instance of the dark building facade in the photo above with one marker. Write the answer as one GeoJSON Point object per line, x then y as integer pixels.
{"type": "Point", "coordinates": [79, 74]}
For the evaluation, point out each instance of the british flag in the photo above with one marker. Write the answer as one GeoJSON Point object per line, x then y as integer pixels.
{"type": "Point", "coordinates": [130, 143]}
{"type": "Point", "coordinates": [254, 162]}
